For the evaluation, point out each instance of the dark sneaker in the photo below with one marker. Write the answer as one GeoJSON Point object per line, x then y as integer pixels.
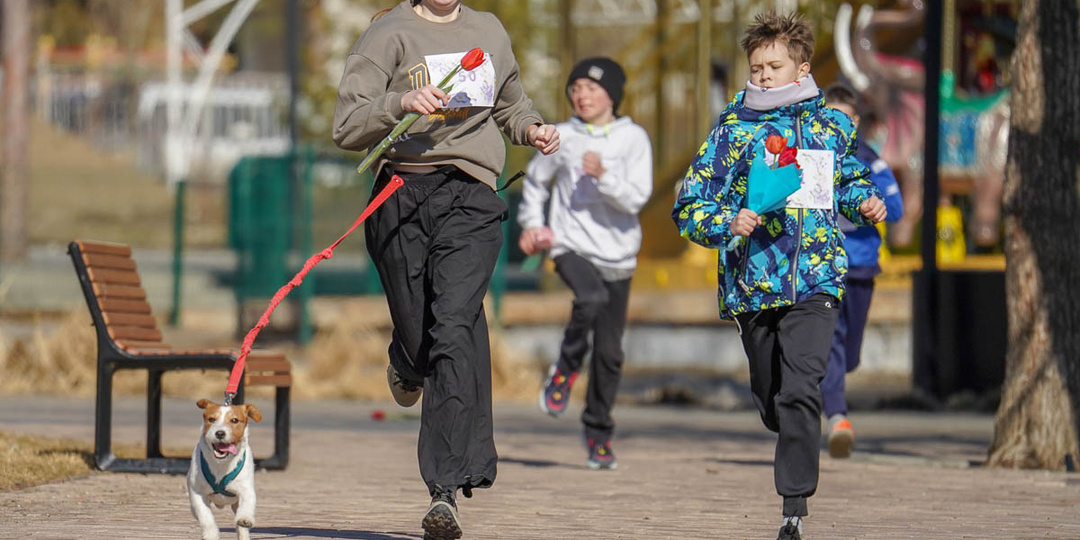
{"type": "Point", "coordinates": [790, 530]}
{"type": "Point", "coordinates": [556, 393]}
{"type": "Point", "coordinates": [405, 393]}
{"type": "Point", "coordinates": [600, 455]}
{"type": "Point", "coordinates": [441, 520]}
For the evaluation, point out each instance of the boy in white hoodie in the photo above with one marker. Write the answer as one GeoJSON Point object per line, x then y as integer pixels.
{"type": "Point", "coordinates": [602, 178]}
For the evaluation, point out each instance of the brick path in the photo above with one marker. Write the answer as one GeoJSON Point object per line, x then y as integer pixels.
{"type": "Point", "coordinates": [682, 474]}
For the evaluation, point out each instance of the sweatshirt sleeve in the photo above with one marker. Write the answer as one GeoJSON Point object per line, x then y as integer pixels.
{"type": "Point", "coordinates": [707, 202]}
{"type": "Point", "coordinates": [365, 112]}
{"type": "Point", "coordinates": [883, 178]}
{"type": "Point", "coordinates": [513, 111]}
{"type": "Point", "coordinates": [629, 186]}
{"type": "Point", "coordinates": [536, 190]}
{"type": "Point", "coordinates": [854, 185]}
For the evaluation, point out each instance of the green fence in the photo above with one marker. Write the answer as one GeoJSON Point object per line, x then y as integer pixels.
{"type": "Point", "coordinates": [283, 209]}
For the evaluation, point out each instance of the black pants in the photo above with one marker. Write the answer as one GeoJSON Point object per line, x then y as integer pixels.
{"type": "Point", "coordinates": [787, 348]}
{"type": "Point", "coordinates": [435, 243]}
{"type": "Point", "coordinates": [600, 308]}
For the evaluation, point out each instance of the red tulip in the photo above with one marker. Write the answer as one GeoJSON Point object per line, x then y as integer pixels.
{"type": "Point", "coordinates": [472, 59]}
{"type": "Point", "coordinates": [775, 144]}
{"type": "Point", "coordinates": [787, 156]}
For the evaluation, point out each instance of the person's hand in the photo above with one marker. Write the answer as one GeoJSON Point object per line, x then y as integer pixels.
{"type": "Point", "coordinates": [874, 209]}
{"type": "Point", "coordinates": [425, 100]}
{"type": "Point", "coordinates": [544, 138]}
{"type": "Point", "coordinates": [592, 165]}
{"type": "Point", "coordinates": [745, 222]}
{"type": "Point", "coordinates": [535, 239]}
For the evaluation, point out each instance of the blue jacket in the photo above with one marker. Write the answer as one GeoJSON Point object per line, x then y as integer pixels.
{"type": "Point", "coordinates": [798, 252]}
{"type": "Point", "coordinates": [862, 243]}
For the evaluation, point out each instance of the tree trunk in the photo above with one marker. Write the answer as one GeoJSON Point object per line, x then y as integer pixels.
{"type": "Point", "coordinates": [14, 184]}
{"type": "Point", "coordinates": [1036, 425]}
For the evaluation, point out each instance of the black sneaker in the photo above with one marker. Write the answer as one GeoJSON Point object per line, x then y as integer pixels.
{"type": "Point", "coordinates": [789, 531]}
{"type": "Point", "coordinates": [556, 393]}
{"type": "Point", "coordinates": [600, 455]}
{"type": "Point", "coordinates": [441, 520]}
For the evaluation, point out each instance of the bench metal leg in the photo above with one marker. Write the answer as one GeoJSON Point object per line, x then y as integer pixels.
{"type": "Point", "coordinates": [103, 456]}
{"type": "Point", "coordinates": [280, 459]}
{"type": "Point", "coordinates": [153, 414]}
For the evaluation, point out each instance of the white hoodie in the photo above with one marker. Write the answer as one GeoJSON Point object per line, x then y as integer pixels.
{"type": "Point", "coordinates": [595, 218]}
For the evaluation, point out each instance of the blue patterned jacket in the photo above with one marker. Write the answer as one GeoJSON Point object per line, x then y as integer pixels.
{"type": "Point", "coordinates": [798, 252]}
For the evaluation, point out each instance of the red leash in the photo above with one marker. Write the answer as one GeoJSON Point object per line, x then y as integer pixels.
{"type": "Point", "coordinates": [245, 349]}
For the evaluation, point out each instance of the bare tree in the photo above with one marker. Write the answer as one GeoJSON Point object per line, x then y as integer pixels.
{"type": "Point", "coordinates": [14, 186]}
{"type": "Point", "coordinates": [1037, 423]}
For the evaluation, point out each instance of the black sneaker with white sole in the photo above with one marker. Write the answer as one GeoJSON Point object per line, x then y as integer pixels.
{"type": "Point", "coordinates": [790, 531]}
{"type": "Point", "coordinates": [441, 520]}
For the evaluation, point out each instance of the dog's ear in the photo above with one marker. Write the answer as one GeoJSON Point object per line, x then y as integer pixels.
{"type": "Point", "coordinates": [202, 403]}
{"type": "Point", "coordinates": [253, 412]}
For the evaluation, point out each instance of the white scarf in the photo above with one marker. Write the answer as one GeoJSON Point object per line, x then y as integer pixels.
{"type": "Point", "coordinates": [767, 99]}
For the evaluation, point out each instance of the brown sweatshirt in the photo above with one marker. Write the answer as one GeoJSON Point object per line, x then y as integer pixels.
{"type": "Point", "coordinates": [402, 51]}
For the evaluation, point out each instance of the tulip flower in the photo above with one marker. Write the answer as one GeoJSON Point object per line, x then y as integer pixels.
{"type": "Point", "coordinates": [472, 60]}
{"type": "Point", "coordinates": [775, 144]}
{"type": "Point", "coordinates": [787, 157]}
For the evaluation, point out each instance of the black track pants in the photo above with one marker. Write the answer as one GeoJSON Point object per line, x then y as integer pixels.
{"type": "Point", "coordinates": [787, 348]}
{"type": "Point", "coordinates": [599, 308]}
{"type": "Point", "coordinates": [434, 244]}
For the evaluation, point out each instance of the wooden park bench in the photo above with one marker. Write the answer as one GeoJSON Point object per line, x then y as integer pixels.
{"type": "Point", "coordinates": [128, 338]}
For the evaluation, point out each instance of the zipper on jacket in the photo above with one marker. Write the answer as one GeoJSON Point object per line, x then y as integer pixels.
{"type": "Point", "coordinates": [799, 232]}
{"type": "Point", "coordinates": [745, 264]}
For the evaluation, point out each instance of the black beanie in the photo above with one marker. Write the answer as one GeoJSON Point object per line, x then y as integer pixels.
{"type": "Point", "coordinates": [605, 72]}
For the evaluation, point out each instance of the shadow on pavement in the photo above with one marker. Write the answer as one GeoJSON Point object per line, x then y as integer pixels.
{"type": "Point", "coordinates": [305, 532]}
{"type": "Point", "coordinates": [537, 463]}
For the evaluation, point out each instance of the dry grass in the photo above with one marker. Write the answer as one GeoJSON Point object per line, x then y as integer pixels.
{"type": "Point", "coordinates": [346, 360]}
{"type": "Point", "coordinates": [31, 460]}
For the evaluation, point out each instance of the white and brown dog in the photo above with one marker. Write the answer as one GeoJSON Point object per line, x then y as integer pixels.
{"type": "Point", "coordinates": [223, 469]}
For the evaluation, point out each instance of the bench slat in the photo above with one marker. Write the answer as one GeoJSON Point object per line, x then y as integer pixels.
{"type": "Point", "coordinates": [267, 364]}
{"type": "Point", "coordinates": [133, 344]}
{"type": "Point", "coordinates": [112, 305]}
{"type": "Point", "coordinates": [105, 290]}
{"type": "Point", "coordinates": [98, 260]}
{"type": "Point", "coordinates": [107, 275]}
{"type": "Point", "coordinates": [268, 380]}
{"type": "Point", "coordinates": [120, 333]}
{"type": "Point", "coordinates": [104, 248]}
{"type": "Point", "coordinates": [129, 319]}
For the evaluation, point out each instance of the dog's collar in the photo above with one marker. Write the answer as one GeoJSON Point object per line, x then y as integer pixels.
{"type": "Point", "coordinates": [219, 487]}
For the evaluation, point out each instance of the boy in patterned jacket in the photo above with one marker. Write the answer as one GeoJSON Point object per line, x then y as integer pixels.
{"type": "Point", "coordinates": [781, 272]}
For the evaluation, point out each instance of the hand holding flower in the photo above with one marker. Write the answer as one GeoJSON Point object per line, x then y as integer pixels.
{"type": "Point", "coordinates": [425, 100]}
{"type": "Point", "coordinates": [745, 222]}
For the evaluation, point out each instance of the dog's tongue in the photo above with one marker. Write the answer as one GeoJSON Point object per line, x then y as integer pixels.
{"type": "Point", "coordinates": [227, 448]}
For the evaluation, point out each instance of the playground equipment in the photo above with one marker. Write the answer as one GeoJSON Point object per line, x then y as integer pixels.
{"type": "Point", "coordinates": [974, 129]}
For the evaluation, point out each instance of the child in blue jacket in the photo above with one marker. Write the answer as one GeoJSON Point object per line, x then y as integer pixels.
{"type": "Point", "coordinates": [783, 281]}
{"type": "Point", "coordinates": [862, 245]}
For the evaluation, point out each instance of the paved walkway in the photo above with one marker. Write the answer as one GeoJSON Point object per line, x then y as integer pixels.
{"type": "Point", "coordinates": [682, 474]}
